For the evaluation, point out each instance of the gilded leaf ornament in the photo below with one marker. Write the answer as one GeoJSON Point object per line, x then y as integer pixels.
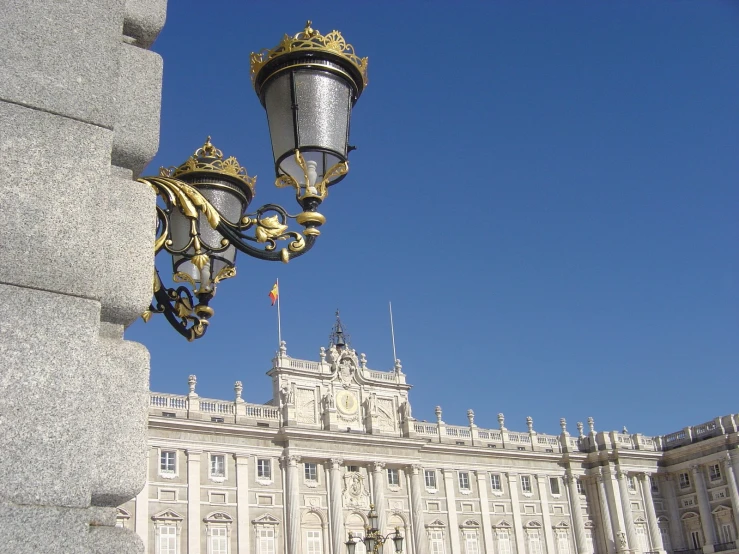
{"type": "Point", "coordinates": [269, 228]}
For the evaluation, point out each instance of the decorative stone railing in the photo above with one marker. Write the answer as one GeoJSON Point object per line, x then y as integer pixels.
{"type": "Point", "coordinates": [718, 426]}
{"type": "Point", "coordinates": [202, 408]}
{"type": "Point", "coordinates": [303, 364]}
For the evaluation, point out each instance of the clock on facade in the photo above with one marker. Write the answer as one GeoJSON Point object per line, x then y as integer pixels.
{"type": "Point", "coordinates": [346, 402]}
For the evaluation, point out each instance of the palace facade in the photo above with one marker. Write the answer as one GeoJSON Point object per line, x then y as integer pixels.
{"type": "Point", "coordinates": [296, 475]}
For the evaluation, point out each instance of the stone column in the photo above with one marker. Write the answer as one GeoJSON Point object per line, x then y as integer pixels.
{"type": "Point", "coordinates": [614, 508]}
{"type": "Point", "coordinates": [576, 511]}
{"type": "Point", "coordinates": [733, 492]}
{"type": "Point", "coordinates": [420, 542]}
{"type": "Point", "coordinates": [704, 507]}
{"type": "Point", "coordinates": [605, 515]}
{"type": "Point", "coordinates": [142, 510]}
{"type": "Point", "coordinates": [79, 118]}
{"type": "Point", "coordinates": [336, 508]}
{"type": "Point", "coordinates": [676, 531]}
{"type": "Point", "coordinates": [626, 505]}
{"type": "Point", "coordinates": [654, 533]}
{"type": "Point", "coordinates": [193, 501]}
{"type": "Point", "coordinates": [451, 508]}
{"type": "Point", "coordinates": [487, 530]}
{"type": "Point", "coordinates": [378, 492]}
{"type": "Point", "coordinates": [293, 504]}
{"type": "Point", "coordinates": [243, 525]}
{"type": "Point", "coordinates": [516, 511]}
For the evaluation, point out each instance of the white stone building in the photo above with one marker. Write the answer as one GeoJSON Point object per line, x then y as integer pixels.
{"type": "Point", "coordinates": [296, 475]}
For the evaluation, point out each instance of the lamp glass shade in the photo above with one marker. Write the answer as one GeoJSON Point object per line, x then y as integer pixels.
{"type": "Point", "coordinates": [308, 109]}
{"type": "Point", "coordinates": [351, 544]}
{"type": "Point", "coordinates": [398, 540]}
{"type": "Point", "coordinates": [369, 543]}
{"type": "Point", "coordinates": [231, 205]}
{"type": "Point", "coordinates": [373, 519]}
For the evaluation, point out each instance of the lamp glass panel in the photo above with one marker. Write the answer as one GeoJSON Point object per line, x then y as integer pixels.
{"type": "Point", "coordinates": [278, 104]}
{"type": "Point", "coordinates": [324, 103]}
{"type": "Point", "coordinates": [231, 207]}
{"type": "Point", "coordinates": [324, 108]}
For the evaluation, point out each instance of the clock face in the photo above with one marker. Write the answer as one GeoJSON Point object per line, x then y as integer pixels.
{"type": "Point", "coordinates": [346, 402]}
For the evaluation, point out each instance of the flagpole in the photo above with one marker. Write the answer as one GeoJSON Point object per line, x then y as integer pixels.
{"type": "Point", "coordinates": [392, 331]}
{"type": "Point", "coordinates": [279, 326]}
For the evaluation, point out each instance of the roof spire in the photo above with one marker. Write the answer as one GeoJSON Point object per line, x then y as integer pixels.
{"type": "Point", "coordinates": [338, 337]}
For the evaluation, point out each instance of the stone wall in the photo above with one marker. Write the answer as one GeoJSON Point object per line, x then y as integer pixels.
{"type": "Point", "coordinates": [79, 119]}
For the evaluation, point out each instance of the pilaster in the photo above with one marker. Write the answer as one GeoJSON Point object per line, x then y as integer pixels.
{"type": "Point", "coordinates": [293, 504]}
{"type": "Point", "coordinates": [487, 531]}
{"type": "Point", "coordinates": [193, 501]}
{"type": "Point", "coordinates": [605, 514]}
{"type": "Point", "coordinates": [420, 542]}
{"type": "Point", "coordinates": [142, 509]}
{"type": "Point", "coordinates": [626, 506]}
{"type": "Point", "coordinates": [541, 482]}
{"type": "Point", "coordinates": [677, 537]}
{"type": "Point", "coordinates": [336, 509]}
{"type": "Point", "coordinates": [378, 490]}
{"type": "Point", "coordinates": [243, 526]}
{"type": "Point", "coordinates": [516, 512]}
{"type": "Point", "coordinates": [451, 506]}
{"type": "Point", "coordinates": [654, 533]}
{"type": "Point", "coordinates": [704, 507]}
{"type": "Point", "coordinates": [615, 509]}
{"type": "Point", "coordinates": [576, 511]}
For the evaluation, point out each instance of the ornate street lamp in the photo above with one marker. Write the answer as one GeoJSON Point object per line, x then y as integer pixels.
{"type": "Point", "coordinates": [308, 85]}
{"type": "Point", "coordinates": [373, 539]}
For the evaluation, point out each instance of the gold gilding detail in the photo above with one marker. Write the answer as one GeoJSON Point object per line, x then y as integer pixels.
{"type": "Point", "coordinates": [209, 159]}
{"type": "Point", "coordinates": [310, 39]}
{"type": "Point", "coordinates": [225, 273]}
{"type": "Point", "coordinates": [310, 217]}
{"type": "Point", "coordinates": [146, 316]}
{"type": "Point", "coordinates": [269, 228]}
{"type": "Point", "coordinates": [285, 255]}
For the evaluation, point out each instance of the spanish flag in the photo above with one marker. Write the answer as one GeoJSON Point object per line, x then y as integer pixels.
{"type": "Point", "coordinates": [274, 293]}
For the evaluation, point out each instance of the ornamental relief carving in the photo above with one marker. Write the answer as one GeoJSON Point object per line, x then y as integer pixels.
{"type": "Point", "coordinates": [355, 494]}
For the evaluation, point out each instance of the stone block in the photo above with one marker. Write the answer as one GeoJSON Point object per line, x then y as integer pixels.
{"type": "Point", "coordinates": [126, 238]}
{"type": "Point", "coordinates": [139, 96]}
{"type": "Point", "coordinates": [57, 530]}
{"type": "Point", "coordinates": [62, 57]}
{"type": "Point", "coordinates": [143, 20]}
{"type": "Point", "coordinates": [122, 398]}
{"type": "Point", "coordinates": [49, 364]}
{"type": "Point", "coordinates": [54, 182]}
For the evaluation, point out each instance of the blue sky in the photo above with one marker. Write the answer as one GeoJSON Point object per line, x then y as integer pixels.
{"type": "Point", "coordinates": [546, 191]}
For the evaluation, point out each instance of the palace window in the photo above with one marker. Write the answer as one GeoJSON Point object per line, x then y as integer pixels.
{"type": "Point", "coordinates": [429, 477]}
{"type": "Point", "coordinates": [471, 546]}
{"type": "Point", "coordinates": [563, 542]}
{"type": "Point", "coordinates": [352, 469]}
{"type": "Point", "coordinates": [714, 472]}
{"type": "Point", "coordinates": [393, 477]}
{"type": "Point", "coordinates": [579, 486]}
{"type": "Point", "coordinates": [266, 541]}
{"type": "Point", "coordinates": [653, 484]}
{"type": "Point", "coordinates": [264, 468]}
{"type": "Point", "coordinates": [167, 461]}
{"type": "Point", "coordinates": [436, 541]}
{"type": "Point", "coordinates": [554, 485]}
{"type": "Point", "coordinates": [167, 540]}
{"type": "Point", "coordinates": [684, 481]}
{"type": "Point", "coordinates": [218, 538]}
{"type": "Point", "coordinates": [525, 483]}
{"type": "Point", "coordinates": [534, 541]}
{"type": "Point", "coordinates": [504, 541]}
{"type": "Point", "coordinates": [217, 465]}
{"type": "Point", "coordinates": [726, 532]}
{"type": "Point", "coordinates": [464, 481]}
{"type": "Point", "coordinates": [313, 542]}
{"type": "Point", "coordinates": [495, 482]}
{"type": "Point", "coordinates": [311, 471]}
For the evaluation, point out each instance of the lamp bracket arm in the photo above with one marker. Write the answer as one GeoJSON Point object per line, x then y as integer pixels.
{"type": "Point", "coordinates": [188, 319]}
